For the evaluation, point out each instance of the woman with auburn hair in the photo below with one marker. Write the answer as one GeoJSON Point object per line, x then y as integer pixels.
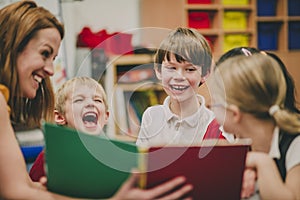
{"type": "Point", "coordinates": [30, 40]}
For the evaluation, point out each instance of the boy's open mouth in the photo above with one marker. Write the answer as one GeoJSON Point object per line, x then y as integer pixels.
{"type": "Point", "coordinates": [90, 118]}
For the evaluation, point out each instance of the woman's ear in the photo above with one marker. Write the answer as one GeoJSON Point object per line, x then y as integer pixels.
{"type": "Point", "coordinates": [157, 73]}
{"type": "Point", "coordinates": [59, 118]}
{"type": "Point", "coordinates": [236, 113]}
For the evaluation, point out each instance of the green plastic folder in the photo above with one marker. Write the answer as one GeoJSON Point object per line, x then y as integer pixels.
{"type": "Point", "coordinates": [86, 166]}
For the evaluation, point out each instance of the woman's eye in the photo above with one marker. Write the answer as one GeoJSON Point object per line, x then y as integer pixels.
{"type": "Point", "coordinates": [46, 54]}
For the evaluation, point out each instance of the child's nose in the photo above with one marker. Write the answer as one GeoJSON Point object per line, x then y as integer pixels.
{"type": "Point", "coordinates": [179, 74]}
{"type": "Point", "coordinates": [90, 102]}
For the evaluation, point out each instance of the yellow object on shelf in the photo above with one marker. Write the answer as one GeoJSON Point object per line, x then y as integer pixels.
{"type": "Point", "coordinates": [235, 20]}
{"type": "Point", "coordinates": [235, 40]}
{"type": "Point", "coordinates": [235, 2]}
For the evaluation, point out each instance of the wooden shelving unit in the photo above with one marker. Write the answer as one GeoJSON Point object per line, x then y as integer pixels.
{"type": "Point", "coordinates": [289, 55]}
{"type": "Point", "coordinates": [117, 127]}
{"type": "Point", "coordinates": [169, 14]}
{"type": "Point", "coordinates": [216, 11]}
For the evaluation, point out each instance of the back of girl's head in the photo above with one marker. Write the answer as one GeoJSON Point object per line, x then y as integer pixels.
{"type": "Point", "coordinates": [66, 90]}
{"type": "Point", "coordinates": [254, 84]}
{"type": "Point", "coordinates": [246, 51]}
{"type": "Point", "coordinates": [290, 101]}
{"type": "Point", "coordinates": [187, 45]}
{"type": "Point", "coordinates": [20, 22]}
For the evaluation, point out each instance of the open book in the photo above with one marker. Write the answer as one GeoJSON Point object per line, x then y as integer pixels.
{"type": "Point", "coordinates": [214, 168]}
{"type": "Point", "coordinates": [87, 166]}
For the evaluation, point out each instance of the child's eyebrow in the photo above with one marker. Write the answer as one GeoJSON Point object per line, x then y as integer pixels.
{"type": "Point", "coordinates": [77, 95]}
{"type": "Point", "coordinates": [98, 96]}
{"type": "Point", "coordinates": [188, 64]}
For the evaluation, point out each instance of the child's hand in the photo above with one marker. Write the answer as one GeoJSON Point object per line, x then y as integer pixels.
{"type": "Point", "coordinates": [130, 191]}
{"type": "Point", "coordinates": [43, 181]}
{"type": "Point", "coordinates": [42, 184]}
{"type": "Point", "coordinates": [248, 185]}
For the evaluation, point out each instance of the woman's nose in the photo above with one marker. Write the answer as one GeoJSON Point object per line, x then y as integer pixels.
{"type": "Point", "coordinates": [49, 68]}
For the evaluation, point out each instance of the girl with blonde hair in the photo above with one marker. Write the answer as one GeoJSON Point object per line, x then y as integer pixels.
{"type": "Point", "coordinates": [248, 100]}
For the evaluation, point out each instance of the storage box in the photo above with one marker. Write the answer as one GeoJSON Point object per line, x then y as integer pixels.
{"type": "Point", "coordinates": [266, 7]}
{"type": "Point", "coordinates": [86, 38]}
{"type": "Point", "coordinates": [235, 40]}
{"type": "Point", "coordinates": [235, 20]}
{"type": "Point", "coordinates": [235, 2]}
{"type": "Point", "coordinates": [119, 43]}
{"type": "Point", "coordinates": [211, 41]}
{"type": "Point", "coordinates": [268, 35]}
{"type": "Point", "coordinates": [294, 7]}
{"type": "Point", "coordinates": [199, 19]}
{"type": "Point", "coordinates": [199, 1]}
{"type": "Point", "coordinates": [294, 35]}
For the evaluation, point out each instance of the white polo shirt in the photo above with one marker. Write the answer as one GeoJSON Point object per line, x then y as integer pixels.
{"type": "Point", "coordinates": [161, 126]}
{"type": "Point", "coordinates": [292, 154]}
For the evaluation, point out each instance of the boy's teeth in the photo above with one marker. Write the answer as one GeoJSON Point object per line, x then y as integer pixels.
{"type": "Point", "coordinates": [179, 87]}
{"type": "Point", "coordinates": [37, 78]}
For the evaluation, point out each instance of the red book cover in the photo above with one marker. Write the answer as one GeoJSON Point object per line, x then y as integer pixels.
{"type": "Point", "coordinates": [215, 169]}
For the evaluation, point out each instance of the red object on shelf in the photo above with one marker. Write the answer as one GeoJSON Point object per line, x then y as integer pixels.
{"type": "Point", "coordinates": [199, 1]}
{"type": "Point", "coordinates": [211, 41]}
{"type": "Point", "coordinates": [101, 37]}
{"type": "Point", "coordinates": [115, 43]}
{"type": "Point", "coordinates": [199, 19]}
{"type": "Point", "coordinates": [86, 38]}
{"type": "Point", "coordinates": [119, 43]}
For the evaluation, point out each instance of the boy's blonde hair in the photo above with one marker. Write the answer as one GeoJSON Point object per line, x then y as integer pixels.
{"type": "Point", "coordinates": [255, 84]}
{"type": "Point", "coordinates": [69, 86]}
{"type": "Point", "coordinates": [186, 44]}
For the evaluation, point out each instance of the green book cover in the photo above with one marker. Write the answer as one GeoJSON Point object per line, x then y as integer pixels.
{"type": "Point", "coordinates": [86, 166]}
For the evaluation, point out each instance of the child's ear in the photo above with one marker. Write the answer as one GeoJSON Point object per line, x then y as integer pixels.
{"type": "Point", "coordinates": [237, 114]}
{"type": "Point", "coordinates": [59, 118]}
{"type": "Point", "coordinates": [204, 78]}
{"type": "Point", "coordinates": [106, 117]}
{"type": "Point", "coordinates": [157, 73]}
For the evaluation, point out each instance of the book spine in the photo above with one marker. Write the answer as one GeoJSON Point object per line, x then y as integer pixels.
{"type": "Point", "coordinates": [142, 165]}
{"type": "Point", "coordinates": [122, 115]}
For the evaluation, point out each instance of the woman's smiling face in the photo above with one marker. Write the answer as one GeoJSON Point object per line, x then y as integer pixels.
{"type": "Point", "coordinates": [35, 62]}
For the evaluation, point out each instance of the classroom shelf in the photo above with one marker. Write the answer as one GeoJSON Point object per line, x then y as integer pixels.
{"type": "Point", "coordinates": [284, 13]}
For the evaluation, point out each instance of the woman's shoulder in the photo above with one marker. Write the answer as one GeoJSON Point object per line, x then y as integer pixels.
{"type": "Point", "coordinates": [5, 93]}
{"type": "Point", "coordinates": [4, 90]}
